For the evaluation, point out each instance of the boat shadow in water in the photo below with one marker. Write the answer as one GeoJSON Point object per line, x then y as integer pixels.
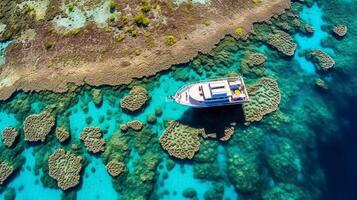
{"type": "Point", "coordinates": [215, 119]}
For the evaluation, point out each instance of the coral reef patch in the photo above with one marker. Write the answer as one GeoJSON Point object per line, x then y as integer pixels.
{"type": "Point", "coordinates": [340, 30]}
{"type": "Point", "coordinates": [5, 171]}
{"type": "Point", "coordinates": [136, 99]}
{"type": "Point", "coordinates": [9, 136]}
{"type": "Point", "coordinates": [92, 138]}
{"type": "Point", "coordinates": [115, 168]}
{"type": "Point", "coordinates": [136, 125]}
{"type": "Point", "coordinates": [62, 134]}
{"type": "Point", "coordinates": [265, 98]}
{"type": "Point", "coordinates": [282, 42]}
{"type": "Point", "coordinates": [180, 141]}
{"type": "Point", "coordinates": [322, 60]}
{"type": "Point", "coordinates": [65, 168]}
{"type": "Point", "coordinates": [38, 126]}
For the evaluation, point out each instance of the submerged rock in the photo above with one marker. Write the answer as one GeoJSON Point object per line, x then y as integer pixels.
{"type": "Point", "coordinates": [115, 168]}
{"type": "Point", "coordinates": [322, 60]}
{"type": "Point", "coordinates": [65, 167]}
{"type": "Point", "coordinates": [9, 136]}
{"type": "Point", "coordinates": [5, 171]}
{"type": "Point", "coordinates": [38, 126]}
{"type": "Point", "coordinates": [340, 30]}
{"type": "Point", "coordinates": [92, 138]}
{"type": "Point", "coordinates": [181, 141]}
{"type": "Point", "coordinates": [265, 98]}
{"type": "Point", "coordinates": [136, 99]}
{"type": "Point", "coordinates": [283, 42]}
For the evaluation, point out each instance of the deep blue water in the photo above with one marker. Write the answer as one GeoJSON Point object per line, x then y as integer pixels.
{"type": "Point", "coordinates": [338, 157]}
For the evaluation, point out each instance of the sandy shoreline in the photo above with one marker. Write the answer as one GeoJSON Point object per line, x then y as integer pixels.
{"type": "Point", "coordinates": [118, 70]}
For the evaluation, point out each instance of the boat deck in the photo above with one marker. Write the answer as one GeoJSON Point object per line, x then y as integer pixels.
{"type": "Point", "coordinates": [218, 92]}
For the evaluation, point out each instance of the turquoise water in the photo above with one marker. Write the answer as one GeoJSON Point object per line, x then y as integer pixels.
{"type": "Point", "coordinates": [313, 16]}
{"type": "Point", "coordinates": [303, 110]}
{"type": "Point", "coordinates": [90, 188]}
{"type": "Point", "coordinates": [3, 45]}
{"type": "Point", "coordinates": [28, 185]}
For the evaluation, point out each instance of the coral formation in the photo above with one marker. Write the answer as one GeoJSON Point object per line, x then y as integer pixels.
{"type": "Point", "coordinates": [92, 138]}
{"type": "Point", "coordinates": [283, 42]}
{"type": "Point", "coordinates": [283, 159]}
{"type": "Point", "coordinates": [38, 126]}
{"type": "Point", "coordinates": [320, 83]}
{"type": "Point", "coordinates": [189, 193]}
{"type": "Point", "coordinates": [115, 168]}
{"type": "Point", "coordinates": [97, 96]}
{"type": "Point", "coordinates": [265, 98]}
{"type": "Point", "coordinates": [340, 30]}
{"type": "Point", "coordinates": [228, 132]}
{"type": "Point", "coordinates": [136, 99]}
{"type": "Point", "coordinates": [65, 168]}
{"type": "Point", "coordinates": [62, 134]}
{"type": "Point", "coordinates": [181, 141]}
{"type": "Point", "coordinates": [243, 172]}
{"type": "Point", "coordinates": [5, 171]}
{"type": "Point", "coordinates": [322, 60]}
{"type": "Point", "coordinates": [9, 136]}
{"type": "Point", "coordinates": [151, 119]}
{"type": "Point", "coordinates": [284, 191]}
{"type": "Point", "coordinates": [225, 136]}
{"type": "Point", "coordinates": [124, 128]}
{"type": "Point", "coordinates": [256, 59]}
{"type": "Point", "coordinates": [309, 29]}
{"type": "Point", "coordinates": [136, 125]}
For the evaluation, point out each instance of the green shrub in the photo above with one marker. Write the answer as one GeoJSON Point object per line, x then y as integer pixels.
{"type": "Point", "coordinates": [171, 40]}
{"type": "Point", "coordinates": [121, 37]}
{"type": "Point", "coordinates": [112, 6]}
{"type": "Point", "coordinates": [141, 19]}
{"type": "Point", "coordinates": [145, 6]}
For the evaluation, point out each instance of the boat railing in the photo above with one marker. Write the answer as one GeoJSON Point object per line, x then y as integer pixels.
{"type": "Point", "coordinates": [215, 79]}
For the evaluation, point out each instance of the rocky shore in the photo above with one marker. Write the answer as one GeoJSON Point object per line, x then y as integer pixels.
{"type": "Point", "coordinates": [92, 57]}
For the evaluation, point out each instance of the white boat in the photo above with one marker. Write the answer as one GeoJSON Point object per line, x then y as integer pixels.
{"type": "Point", "coordinates": [211, 93]}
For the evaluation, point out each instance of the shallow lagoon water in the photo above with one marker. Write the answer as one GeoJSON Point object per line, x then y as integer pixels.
{"type": "Point", "coordinates": [313, 16]}
{"type": "Point", "coordinates": [181, 176]}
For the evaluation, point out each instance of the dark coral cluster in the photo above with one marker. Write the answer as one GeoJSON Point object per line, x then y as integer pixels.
{"type": "Point", "coordinates": [65, 168]}
{"type": "Point", "coordinates": [92, 138]}
{"type": "Point", "coordinates": [38, 126]}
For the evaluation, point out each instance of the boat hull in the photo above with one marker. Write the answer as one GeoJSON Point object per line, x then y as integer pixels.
{"type": "Point", "coordinates": [183, 97]}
